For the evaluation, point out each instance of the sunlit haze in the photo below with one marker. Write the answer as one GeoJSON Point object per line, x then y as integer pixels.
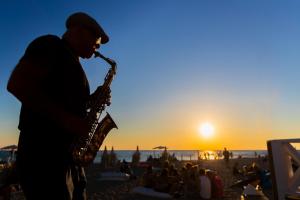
{"type": "Point", "coordinates": [206, 130]}
{"type": "Point", "coordinates": [180, 63]}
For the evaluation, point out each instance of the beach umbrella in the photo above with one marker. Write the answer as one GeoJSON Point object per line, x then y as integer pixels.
{"type": "Point", "coordinates": [10, 147]}
{"type": "Point", "coordinates": [160, 147]}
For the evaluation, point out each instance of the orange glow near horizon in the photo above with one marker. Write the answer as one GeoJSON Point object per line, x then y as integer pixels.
{"type": "Point", "coordinates": [163, 127]}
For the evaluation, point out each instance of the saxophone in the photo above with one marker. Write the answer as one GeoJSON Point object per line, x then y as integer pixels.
{"type": "Point", "coordinates": [84, 149]}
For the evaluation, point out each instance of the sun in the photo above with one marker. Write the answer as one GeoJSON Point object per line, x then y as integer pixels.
{"type": "Point", "coordinates": [206, 130]}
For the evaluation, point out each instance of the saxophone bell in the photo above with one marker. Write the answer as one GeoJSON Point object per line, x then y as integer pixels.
{"type": "Point", "coordinates": [86, 155]}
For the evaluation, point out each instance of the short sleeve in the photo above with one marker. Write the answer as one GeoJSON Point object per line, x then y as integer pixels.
{"type": "Point", "coordinates": [42, 51]}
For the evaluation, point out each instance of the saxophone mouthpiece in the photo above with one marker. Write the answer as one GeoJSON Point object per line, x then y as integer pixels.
{"type": "Point", "coordinates": [96, 54]}
{"type": "Point", "coordinates": [108, 60]}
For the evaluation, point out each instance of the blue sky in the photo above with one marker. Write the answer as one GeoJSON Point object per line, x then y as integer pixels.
{"type": "Point", "coordinates": [234, 63]}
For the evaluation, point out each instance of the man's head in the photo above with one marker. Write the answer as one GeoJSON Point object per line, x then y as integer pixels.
{"type": "Point", "coordinates": [202, 171]}
{"type": "Point", "coordinates": [84, 34]}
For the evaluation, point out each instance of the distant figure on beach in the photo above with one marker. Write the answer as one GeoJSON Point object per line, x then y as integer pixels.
{"type": "Point", "coordinates": [125, 167]}
{"type": "Point", "coordinates": [226, 155]}
{"type": "Point", "coordinates": [191, 183]}
{"type": "Point", "coordinates": [52, 86]}
{"type": "Point", "coordinates": [205, 185]}
{"type": "Point", "coordinates": [136, 157]}
{"type": "Point", "coordinates": [148, 179]}
{"type": "Point", "coordinates": [235, 169]}
{"type": "Point", "coordinates": [165, 155]}
{"type": "Point", "coordinates": [231, 154]}
{"type": "Point", "coordinates": [206, 155]}
{"type": "Point", "coordinates": [162, 181]}
{"type": "Point", "coordinates": [105, 158]}
{"type": "Point", "coordinates": [217, 186]}
{"type": "Point", "coordinates": [113, 158]}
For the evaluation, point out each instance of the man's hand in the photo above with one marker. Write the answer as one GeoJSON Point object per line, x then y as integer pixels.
{"type": "Point", "coordinates": [108, 97]}
{"type": "Point", "coordinates": [104, 93]}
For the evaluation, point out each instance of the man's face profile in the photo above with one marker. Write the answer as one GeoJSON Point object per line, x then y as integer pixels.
{"type": "Point", "coordinates": [89, 42]}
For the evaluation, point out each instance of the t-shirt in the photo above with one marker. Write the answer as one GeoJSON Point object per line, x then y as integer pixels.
{"type": "Point", "coordinates": [205, 187]}
{"type": "Point", "coordinates": [65, 84]}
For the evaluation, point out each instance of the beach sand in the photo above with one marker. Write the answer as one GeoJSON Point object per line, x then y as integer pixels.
{"type": "Point", "coordinates": [123, 190]}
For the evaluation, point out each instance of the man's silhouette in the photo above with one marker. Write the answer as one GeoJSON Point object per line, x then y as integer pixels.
{"type": "Point", "coordinates": [50, 83]}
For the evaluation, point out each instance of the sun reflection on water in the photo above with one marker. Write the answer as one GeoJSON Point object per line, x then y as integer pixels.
{"type": "Point", "coordinates": [210, 155]}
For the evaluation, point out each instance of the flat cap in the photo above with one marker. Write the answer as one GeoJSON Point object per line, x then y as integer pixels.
{"type": "Point", "coordinates": [84, 20]}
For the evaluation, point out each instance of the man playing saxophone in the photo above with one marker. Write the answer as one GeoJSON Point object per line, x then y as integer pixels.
{"type": "Point", "coordinates": [52, 87]}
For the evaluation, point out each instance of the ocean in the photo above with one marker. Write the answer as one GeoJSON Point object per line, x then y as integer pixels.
{"type": "Point", "coordinates": [183, 154]}
{"type": "Point", "coordinates": [179, 154]}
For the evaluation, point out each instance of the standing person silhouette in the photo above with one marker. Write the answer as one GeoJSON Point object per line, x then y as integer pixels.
{"type": "Point", "coordinates": [226, 155]}
{"type": "Point", "coordinates": [52, 87]}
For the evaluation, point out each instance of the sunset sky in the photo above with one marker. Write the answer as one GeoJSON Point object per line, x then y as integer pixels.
{"type": "Point", "coordinates": [233, 63]}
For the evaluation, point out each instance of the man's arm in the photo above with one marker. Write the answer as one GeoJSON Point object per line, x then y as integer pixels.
{"type": "Point", "coordinates": [24, 84]}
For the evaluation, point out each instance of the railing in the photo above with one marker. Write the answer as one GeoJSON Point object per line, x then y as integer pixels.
{"type": "Point", "coordinates": [283, 161]}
